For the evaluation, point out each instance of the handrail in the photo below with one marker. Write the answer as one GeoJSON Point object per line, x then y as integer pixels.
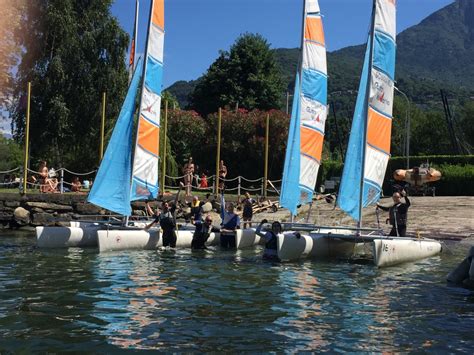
{"type": "Point", "coordinates": [240, 183]}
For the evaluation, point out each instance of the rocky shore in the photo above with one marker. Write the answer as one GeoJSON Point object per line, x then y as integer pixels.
{"type": "Point", "coordinates": [446, 217]}
{"type": "Point", "coordinates": [49, 209]}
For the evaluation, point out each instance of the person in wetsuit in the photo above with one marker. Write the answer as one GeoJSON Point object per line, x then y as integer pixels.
{"type": "Point", "coordinates": [167, 221]}
{"type": "Point", "coordinates": [196, 210]}
{"type": "Point", "coordinates": [202, 233]}
{"type": "Point", "coordinates": [398, 214]}
{"type": "Point", "coordinates": [271, 240]}
{"type": "Point", "coordinates": [230, 223]}
{"type": "Point", "coordinates": [247, 214]}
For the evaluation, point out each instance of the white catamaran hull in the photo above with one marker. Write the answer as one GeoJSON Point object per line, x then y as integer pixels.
{"type": "Point", "coordinates": [246, 238]}
{"type": "Point", "coordinates": [340, 244]}
{"type": "Point", "coordinates": [388, 252]}
{"type": "Point", "coordinates": [123, 239]}
{"type": "Point", "coordinates": [78, 234]}
{"type": "Point", "coordinates": [314, 245]}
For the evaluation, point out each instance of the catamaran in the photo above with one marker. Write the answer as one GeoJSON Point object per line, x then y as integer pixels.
{"type": "Point", "coordinates": [366, 158]}
{"type": "Point", "coordinates": [117, 172]}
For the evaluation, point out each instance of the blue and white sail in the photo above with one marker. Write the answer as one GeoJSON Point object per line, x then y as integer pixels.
{"type": "Point", "coordinates": [368, 150]}
{"type": "Point", "coordinates": [308, 117]}
{"type": "Point", "coordinates": [111, 186]}
{"type": "Point", "coordinates": [146, 158]}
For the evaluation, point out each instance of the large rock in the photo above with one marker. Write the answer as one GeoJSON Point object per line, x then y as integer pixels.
{"type": "Point", "coordinates": [49, 206]}
{"type": "Point", "coordinates": [41, 219]}
{"type": "Point", "coordinates": [5, 217]}
{"type": "Point", "coordinates": [87, 208]}
{"type": "Point", "coordinates": [12, 203]}
{"type": "Point", "coordinates": [207, 207]}
{"type": "Point", "coordinates": [21, 216]}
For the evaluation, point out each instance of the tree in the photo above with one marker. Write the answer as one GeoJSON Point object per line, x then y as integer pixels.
{"type": "Point", "coordinates": [11, 155]}
{"type": "Point", "coordinates": [247, 76]}
{"type": "Point", "coordinates": [73, 51]}
{"type": "Point", "coordinates": [167, 96]}
{"type": "Point", "coordinates": [9, 50]}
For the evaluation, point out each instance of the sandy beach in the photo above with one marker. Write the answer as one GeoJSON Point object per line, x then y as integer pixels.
{"type": "Point", "coordinates": [444, 217]}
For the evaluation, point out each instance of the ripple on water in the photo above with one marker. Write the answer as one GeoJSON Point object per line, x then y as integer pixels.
{"type": "Point", "coordinates": [81, 300]}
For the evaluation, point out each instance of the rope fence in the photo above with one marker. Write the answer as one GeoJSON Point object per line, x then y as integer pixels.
{"type": "Point", "coordinates": [60, 181]}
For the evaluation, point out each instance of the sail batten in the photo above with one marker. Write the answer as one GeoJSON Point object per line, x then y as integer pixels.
{"type": "Point", "coordinates": [308, 118]}
{"type": "Point", "coordinates": [368, 150]}
{"type": "Point", "coordinates": [146, 159]}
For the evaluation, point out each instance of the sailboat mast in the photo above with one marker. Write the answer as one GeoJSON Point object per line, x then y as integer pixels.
{"type": "Point", "coordinates": [367, 95]}
{"type": "Point", "coordinates": [300, 70]}
{"type": "Point", "coordinates": [133, 47]}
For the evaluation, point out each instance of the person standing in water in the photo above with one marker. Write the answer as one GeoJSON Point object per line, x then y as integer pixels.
{"type": "Point", "coordinates": [202, 233]}
{"type": "Point", "coordinates": [230, 224]}
{"type": "Point", "coordinates": [271, 240]}
{"type": "Point", "coordinates": [167, 221]}
{"type": "Point", "coordinates": [398, 214]}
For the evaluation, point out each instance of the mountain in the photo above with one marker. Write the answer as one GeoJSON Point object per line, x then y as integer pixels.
{"type": "Point", "coordinates": [435, 54]}
{"type": "Point", "coordinates": [441, 46]}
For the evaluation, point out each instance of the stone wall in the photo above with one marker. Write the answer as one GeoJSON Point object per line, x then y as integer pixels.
{"type": "Point", "coordinates": [50, 209]}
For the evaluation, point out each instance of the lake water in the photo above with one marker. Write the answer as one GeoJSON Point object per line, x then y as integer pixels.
{"type": "Point", "coordinates": [80, 300]}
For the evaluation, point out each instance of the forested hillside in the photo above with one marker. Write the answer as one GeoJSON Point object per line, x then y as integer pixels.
{"type": "Point", "coordinates": [435, 54]}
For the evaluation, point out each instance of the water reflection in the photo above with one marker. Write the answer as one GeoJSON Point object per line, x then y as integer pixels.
{"type": "Point", "coordinates": [212, 301]}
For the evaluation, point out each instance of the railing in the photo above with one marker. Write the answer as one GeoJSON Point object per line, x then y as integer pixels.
{"type": "Point", "coordinates": [238, 185]}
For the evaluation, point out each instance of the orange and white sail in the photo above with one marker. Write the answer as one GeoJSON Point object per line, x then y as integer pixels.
{"type": "Point", "coordinates": [368, 150]}
{"type": "Point", "coordinates": [308, 118]}
{"type": "Point", "coordinates": [146, 159]}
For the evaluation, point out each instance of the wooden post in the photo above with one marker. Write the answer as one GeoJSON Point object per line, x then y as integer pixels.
{"type": "Point", "coordinates": [218, 155]}
{"type": "Point", "coordinates": [265, 171]}
{"type": "Point", "coordinates": [27, 138]}
{"type": "Point", "coordinates": [163, 154]}
{"type": "Point", "coordinates": [102, 128]}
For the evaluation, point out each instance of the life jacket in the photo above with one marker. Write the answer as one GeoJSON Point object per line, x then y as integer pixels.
{"type": "Point", "coordinates": [395, 215]}
{"type": "Point", "coordinates": [273, 242]}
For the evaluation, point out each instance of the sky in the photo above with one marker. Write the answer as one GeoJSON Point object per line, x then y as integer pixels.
{"type": "Point", "coordinates": [197, 29]}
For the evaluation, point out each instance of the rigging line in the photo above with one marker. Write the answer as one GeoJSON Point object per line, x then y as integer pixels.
{"type": "Point", "coordinates": [338, 135]}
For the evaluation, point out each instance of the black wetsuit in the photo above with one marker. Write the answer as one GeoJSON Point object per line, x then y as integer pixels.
{"type": "Point", "coordinates": [248, 212]}
{"type": "Point", "coordinates": [201, 235]}
{"type": "Point", "coordinates": [398, 216]}
{"type": "Point", "coordinates": [168, 225]}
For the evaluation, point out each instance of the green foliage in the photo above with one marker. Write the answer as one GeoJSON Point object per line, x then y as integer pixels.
{"type": "Point", "coordinates": [187, 135]}
{"type": "Point", "coordinates": [247, 76]}
{"type": "Point", "coordinates": [168, 97]}
{"type": "Point", "coordinates": [242, 142]}
{"type": "Point", "coordinates": [11, 154]}
{"type": "Point", "coordinates": [73, 51]}
{"type": "Point", "coordinates": [400, 162]}
{"type": "Point", "coordinates": [329, 169]}
{"type": "Point", "coordinates": [456, 180]}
